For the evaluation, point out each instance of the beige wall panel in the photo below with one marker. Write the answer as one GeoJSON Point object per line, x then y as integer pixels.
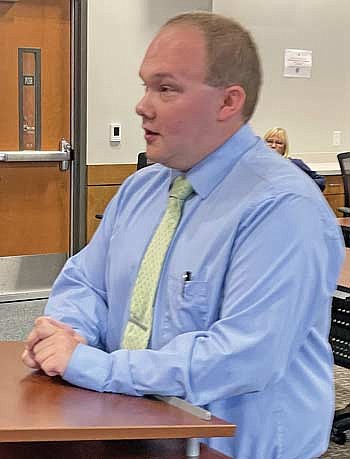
{"type": "Point", "coordinates": [118, 34]}
{"type": "Point", "coordinates": [309, 108]}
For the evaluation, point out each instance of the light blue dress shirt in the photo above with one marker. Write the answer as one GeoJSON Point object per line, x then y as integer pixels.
{"type": "Point", "coordinates": [247, 336]}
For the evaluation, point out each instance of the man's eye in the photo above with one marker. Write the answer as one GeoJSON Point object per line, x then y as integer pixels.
{"type": "Point", "coordinates": [165, 88]}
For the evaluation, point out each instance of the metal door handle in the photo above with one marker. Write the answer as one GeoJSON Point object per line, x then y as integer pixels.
{"type": "Point", "coordinates": [64, 155]}
{"type": "Point", "coordinates": [33, 156]}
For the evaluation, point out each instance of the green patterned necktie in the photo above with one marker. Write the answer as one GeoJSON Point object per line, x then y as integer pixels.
{"type": "Point", "coordinates": [139, 326]}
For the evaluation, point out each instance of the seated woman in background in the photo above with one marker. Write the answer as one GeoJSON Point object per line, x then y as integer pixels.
{"type": "Point", "coordinates": [277, 139]}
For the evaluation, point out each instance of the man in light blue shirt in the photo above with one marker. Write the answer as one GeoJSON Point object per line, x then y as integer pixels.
{"type": "Point", "coordinates": [245, 333]}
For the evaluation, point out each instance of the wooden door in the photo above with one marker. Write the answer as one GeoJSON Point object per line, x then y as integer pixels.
{"type": "Point", "coordinates": [35, 81]}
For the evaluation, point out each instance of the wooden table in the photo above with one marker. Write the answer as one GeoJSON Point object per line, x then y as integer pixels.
{"type": "Point", "coordinates": [43, 417]}
{"type": "Point", "coordinates": [344, 222]}
{"type": "Point", "coordinates": [344, 278]}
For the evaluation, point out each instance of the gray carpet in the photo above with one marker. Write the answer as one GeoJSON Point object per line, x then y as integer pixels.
{"type": "Point", "coordinates": [17, 318]}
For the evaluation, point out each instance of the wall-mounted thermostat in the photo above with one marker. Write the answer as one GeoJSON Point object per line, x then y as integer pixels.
{"type": "Point", "coordinates": [114, 132]}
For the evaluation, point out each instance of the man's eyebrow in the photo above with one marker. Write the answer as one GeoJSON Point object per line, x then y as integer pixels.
{"type": "Point", "coordinates": [159, 76]}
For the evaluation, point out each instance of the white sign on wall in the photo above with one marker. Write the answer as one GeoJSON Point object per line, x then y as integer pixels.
{"type": "Point", "coordinates": [297, 63]}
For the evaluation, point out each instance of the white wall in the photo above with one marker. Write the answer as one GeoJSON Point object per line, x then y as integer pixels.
{"type": "Point", "coordinates": [310, 109]}
{"type": "Point", "coordinates": [118, 34]}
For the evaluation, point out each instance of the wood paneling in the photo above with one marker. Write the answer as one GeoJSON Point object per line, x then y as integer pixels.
{"type": "Point", "coordinates": [334, 184]}
{"type": "Point", "coordinates": [103, 182]}
{"type": "Point", "coordinates": [334, 192]}
{"type": "Point", "coordinates": [335, 201]}
{"type": "Point", "coordinates": [34, 209]}
{"type": "Point", "coordinates": [97, 199]}
{"type": "Point", "coordinates": [109, 174]}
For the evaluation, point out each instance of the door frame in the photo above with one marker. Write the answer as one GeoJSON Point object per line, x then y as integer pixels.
{"type": "Point", "coordinates": [78, 125]}
{"type": "Point", "coordinates": [24, 286]}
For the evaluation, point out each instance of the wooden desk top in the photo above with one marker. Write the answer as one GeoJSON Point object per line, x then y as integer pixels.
{"type": "Point", "coordinates": [35, 407]}
{"type": "Point", "coordinates": [344, 278]}
{"type": "Point", "coordinates": [344, 221]}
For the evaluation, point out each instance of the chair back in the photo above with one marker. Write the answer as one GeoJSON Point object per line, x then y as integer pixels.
{"type": "Point", "coordinates": [344, 162]}
{"type": "Point", "coordinates": [142, 160]}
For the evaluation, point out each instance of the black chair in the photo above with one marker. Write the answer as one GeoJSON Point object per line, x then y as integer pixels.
{"type": "Point", "coordinates": [340, 342]}
{"type": "Point", "coordinates": [346, 234]}
{"type": "Point", "coordinates": [142, 160]}
{"type": "Point", "coordinates": [344, 162]}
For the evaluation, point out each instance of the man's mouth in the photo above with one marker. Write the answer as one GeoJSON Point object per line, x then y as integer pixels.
{"type": "Point", "coordinates": [150, 136]}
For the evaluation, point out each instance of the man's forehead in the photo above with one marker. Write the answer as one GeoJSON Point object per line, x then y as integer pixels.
{"type": "Point", "coordinates": [176, 39]}
{"type": "Point", "coordinates": [173, 49]}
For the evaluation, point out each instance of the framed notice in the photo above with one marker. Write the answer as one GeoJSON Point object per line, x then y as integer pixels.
{"type": "Point", "coordinates": [297, 63]}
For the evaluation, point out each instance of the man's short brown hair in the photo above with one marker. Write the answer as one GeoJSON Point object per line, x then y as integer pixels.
{"type": "Point", "coordinates": [232, 56]}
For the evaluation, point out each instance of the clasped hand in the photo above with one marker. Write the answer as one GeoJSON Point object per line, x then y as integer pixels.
{"type": "Point", "coordinates": [50, 345]}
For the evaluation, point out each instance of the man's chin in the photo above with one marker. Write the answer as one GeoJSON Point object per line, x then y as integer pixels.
{"type": "Point", "coordinates": [154, 155]}
{"type": "Point", "coordinates": [164, 157]}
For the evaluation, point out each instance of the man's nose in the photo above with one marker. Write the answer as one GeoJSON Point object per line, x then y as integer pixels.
{"type": "Point", "coordinates": [145, 108]}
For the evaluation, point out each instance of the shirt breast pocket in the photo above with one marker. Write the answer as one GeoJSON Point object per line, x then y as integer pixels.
{"type": "Point", "coordinates": [187, 305]}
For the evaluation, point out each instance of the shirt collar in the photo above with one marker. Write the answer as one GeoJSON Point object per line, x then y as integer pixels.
{"type": "Point", "coordinates": [209, 172]}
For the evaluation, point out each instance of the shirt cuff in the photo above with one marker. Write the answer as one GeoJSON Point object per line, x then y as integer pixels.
{"type": "Point", "coordinates": [101, 371]}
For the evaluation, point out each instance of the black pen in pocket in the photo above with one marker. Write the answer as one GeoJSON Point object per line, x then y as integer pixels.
{"type": "Point", "coordinates": [186, 277]}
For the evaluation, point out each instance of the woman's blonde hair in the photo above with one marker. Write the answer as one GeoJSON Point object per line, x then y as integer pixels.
{"type": "Point", "coordinates": [281, 134]}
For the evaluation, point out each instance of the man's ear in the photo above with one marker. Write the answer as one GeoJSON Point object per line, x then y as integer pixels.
{"type": "Point", "coordinates": [233, 102]}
